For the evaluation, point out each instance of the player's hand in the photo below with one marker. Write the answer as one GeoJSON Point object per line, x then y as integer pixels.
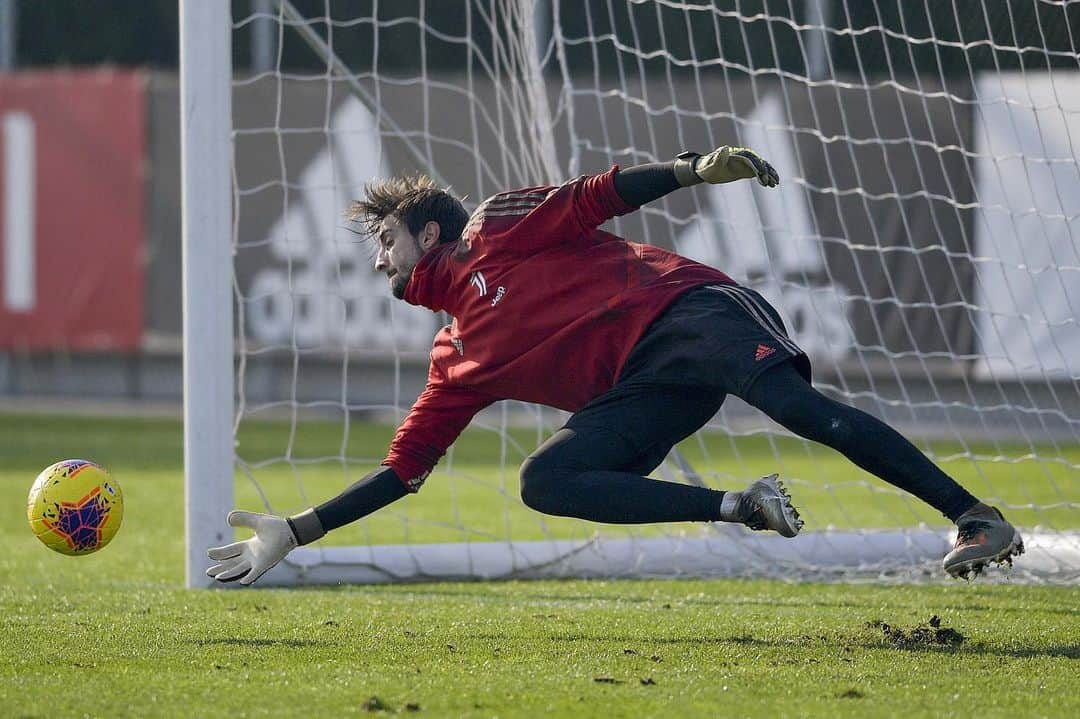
{"type": "Point", "coordinates": [249, 559]}
{"type": "Point", "coordinates": [727, 164]}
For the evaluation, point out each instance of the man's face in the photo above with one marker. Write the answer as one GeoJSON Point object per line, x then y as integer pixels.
{"type": "Point", "coordinates": [399, 252]}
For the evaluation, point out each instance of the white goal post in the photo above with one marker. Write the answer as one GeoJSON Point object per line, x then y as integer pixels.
{"type": "Point", "coordinates": [206, 168]}
{"type": "Point", "coordinates": [924, 248]}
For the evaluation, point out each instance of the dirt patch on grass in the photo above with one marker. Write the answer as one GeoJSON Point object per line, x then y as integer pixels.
{"type": "Point", "coordinates": [928, 634]}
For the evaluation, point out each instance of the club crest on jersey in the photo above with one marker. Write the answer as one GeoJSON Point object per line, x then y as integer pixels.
{"type": "Point", "coordinates": [477, 280]}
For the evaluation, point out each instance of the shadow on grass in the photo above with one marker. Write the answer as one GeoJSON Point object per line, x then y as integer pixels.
{"type": "Point", "coordinates": [521, 592]}
{"type": "Point", "coordinates": [1064, 651]}
{"type": "Point", "coordinates": [238, 642]}
{"type": "Point", "coordinates": [1069, 651]}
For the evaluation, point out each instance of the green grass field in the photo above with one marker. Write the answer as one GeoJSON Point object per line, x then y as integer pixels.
{"type": "Point", "coordinates": [116, 634]}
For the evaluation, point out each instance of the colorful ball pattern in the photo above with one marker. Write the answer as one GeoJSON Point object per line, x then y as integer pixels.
{"type": "Point", "coordinates": [75, 507]}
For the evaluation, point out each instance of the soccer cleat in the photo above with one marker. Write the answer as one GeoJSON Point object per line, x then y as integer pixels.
{"type": "Point", "coordinates": [983, 536]}
{"type": "Point", "coordinates": [765, 504]}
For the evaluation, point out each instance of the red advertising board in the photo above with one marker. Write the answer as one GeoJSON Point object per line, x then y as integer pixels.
{"type": "Point", "coordinates": [72, 148]}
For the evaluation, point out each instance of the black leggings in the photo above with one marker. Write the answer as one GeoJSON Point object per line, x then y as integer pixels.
{"type": "Point", "coordinates": [593, 467]}
{"type": "Point", "coordinates": [792, 402]}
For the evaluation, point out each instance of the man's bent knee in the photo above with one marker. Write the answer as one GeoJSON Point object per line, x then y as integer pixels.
{"type": "Point", "coordinates": [538, 483]}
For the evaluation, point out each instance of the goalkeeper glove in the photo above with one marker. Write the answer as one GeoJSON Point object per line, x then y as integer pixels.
{"type": "Point", "coordinates": [249, 559]}
{"type": "Point", "coordinates": [724, 164]}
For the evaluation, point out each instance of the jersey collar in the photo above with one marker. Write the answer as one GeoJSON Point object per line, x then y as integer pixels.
{"type": "Point", "coordinates": [430, 279]}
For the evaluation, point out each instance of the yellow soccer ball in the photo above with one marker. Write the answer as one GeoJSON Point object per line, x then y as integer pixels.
{"type": "Point", "coordinates": [75, 507]}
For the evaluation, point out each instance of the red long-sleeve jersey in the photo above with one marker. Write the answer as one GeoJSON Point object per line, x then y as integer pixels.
{"type": "Point", "coordinates": [546, 309]}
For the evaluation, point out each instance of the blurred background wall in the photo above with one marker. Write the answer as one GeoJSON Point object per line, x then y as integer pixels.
{"type": "Point", "coordinates": [89, 100]}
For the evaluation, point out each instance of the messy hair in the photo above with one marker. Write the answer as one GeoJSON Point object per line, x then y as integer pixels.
{"type": "Point", "coordinates": [415, 201]}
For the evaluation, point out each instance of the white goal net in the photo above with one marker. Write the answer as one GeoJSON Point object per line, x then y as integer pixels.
{"type": "Point", "coordinates": [923, 247]}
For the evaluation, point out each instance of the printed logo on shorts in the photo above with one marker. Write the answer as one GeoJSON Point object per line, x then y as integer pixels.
{"type": "Point", "coordinates": [763, 351]}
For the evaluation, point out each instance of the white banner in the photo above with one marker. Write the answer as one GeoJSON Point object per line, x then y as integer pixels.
{"type": "Point", "coordinates": [1027, 225]}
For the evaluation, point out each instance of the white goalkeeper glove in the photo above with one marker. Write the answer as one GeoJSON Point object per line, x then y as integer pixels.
{"type": "Point", "coordinates": [724, 164]}
{"type": "Point", "coordinates": [249, 559]}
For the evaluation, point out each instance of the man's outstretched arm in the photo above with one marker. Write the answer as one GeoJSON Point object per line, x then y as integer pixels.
{"type": "Point", "coordinates": [642, 184]}
{"type": "Point", "coordinates": [378, 489]}
{"type": "Point", "coordinates": [439, 415]}
{"type": "Point", "coordinates": [275, 536]}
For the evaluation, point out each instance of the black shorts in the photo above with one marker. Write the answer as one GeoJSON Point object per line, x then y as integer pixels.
{"type": "Point", "coordinates": [720, 337]}
{"type": "Point", "coordinates": [711, 342]}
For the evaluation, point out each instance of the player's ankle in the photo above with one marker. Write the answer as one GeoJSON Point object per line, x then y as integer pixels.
{"type": "Point", "coordinates": [981, 510]}
{"type": "Point", "coordinates": [731, 509]}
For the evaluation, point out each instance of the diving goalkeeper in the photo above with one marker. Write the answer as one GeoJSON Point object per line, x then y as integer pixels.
{"type": "Point", "coordinates": [640, 344]}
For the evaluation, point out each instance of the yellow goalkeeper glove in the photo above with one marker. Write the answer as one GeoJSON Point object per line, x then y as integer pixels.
{"type": "Point", "coordinates": [724, 164]}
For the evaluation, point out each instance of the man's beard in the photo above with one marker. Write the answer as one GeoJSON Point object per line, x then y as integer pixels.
{"type": "Point", "coordinates": [398, 285]}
